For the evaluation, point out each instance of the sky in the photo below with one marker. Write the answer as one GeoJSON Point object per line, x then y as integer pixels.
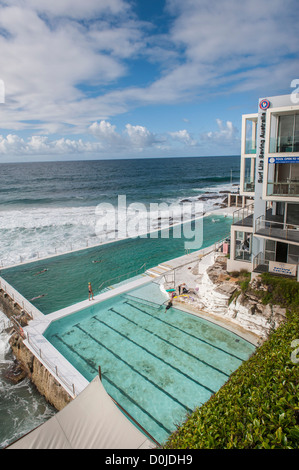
{"type": "Point", "coordinates": [98, 79]}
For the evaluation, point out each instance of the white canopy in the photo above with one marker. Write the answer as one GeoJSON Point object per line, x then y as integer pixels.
{"type": "Point", "coordinates": [90, 421]}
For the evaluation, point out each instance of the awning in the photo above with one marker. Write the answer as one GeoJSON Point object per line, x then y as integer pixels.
{"type": "Point", "coordinates": [91, 421]}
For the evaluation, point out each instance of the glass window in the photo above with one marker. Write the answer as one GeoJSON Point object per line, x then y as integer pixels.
{"type": "Point", "coordinates": [243, 246]}
{"type": "Point", "coordinates": [250, 132]}
{"type": "Point", "coordinates": [293, 255]}
{"type": "Point", "coordinates": [270, 245]}
{"type": "Point", "coordinates": [293, 214]}
{"type": "Point", "coordinates": [249, 169]}
{"type": "Point", "coordinates": [288, 133]}
{"type": "Point", "coordinates": [285, 133]}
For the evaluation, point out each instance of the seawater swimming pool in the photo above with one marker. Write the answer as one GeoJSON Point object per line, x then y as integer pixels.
{"type": "Point", "coordinates": [158, 366]}
{"type": "Point", "coordinates": [58, 282]}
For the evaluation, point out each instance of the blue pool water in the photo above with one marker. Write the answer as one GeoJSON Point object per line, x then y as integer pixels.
{"type": "Point", "coordinates": [61, 281]}
{"type": "Point", "coordinates": [158, 366]}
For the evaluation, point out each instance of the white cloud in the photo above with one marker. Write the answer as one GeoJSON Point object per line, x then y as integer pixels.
{"type": "Point", "coordinates": [226, 133]}
{"type": "Point", "coordinates": [62, 63]}
{"type": "Point", "coordinates": [183, 136]}
{"type": "Point", "coordinates": [50, 58]}
{"type": "Point", "coordinates": [75, 8]}
{"type": "Point", "coordinates": [140, 137]}
{"type": "Point", "coordinates": [106, 132]}
{"type": "Point", "coordinates": [42, 145]}
{"type": "Point", "coordinates": [133, 137]}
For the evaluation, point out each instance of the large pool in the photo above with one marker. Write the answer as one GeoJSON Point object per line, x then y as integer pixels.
{"type": "Point", "coordinates": [61, 281]}
{"type": "Point", "coordinates": [157, 365]}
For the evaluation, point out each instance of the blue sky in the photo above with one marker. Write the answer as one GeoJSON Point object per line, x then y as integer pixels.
{"type": "Point", "coordinates": [138, 78]}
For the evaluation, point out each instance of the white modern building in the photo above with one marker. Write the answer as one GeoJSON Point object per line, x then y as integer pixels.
{"type": "Point", "coordinates": [265, 234]}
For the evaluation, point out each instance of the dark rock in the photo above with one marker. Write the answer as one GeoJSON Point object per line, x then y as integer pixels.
{"type": "Point", "coordinates": [15, 373]}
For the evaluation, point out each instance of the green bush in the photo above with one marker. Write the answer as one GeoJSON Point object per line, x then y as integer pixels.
{"type": "Point", "coordinates": [281, 291]}
{"type": "Point", "coordinates": [258, 407]}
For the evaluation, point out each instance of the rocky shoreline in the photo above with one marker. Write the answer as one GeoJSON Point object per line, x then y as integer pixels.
{"type": "Point", "coordinates": [215, 294]}
{"type": "Point", "coordinates": [26, 364]}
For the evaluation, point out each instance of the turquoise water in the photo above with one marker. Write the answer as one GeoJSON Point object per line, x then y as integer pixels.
{"type": "Point", "coordinates": [61, 281]}
{"type": "Point", "coordinates": [158, 366]}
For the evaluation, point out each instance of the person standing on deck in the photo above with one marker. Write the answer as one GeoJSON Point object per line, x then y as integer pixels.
{"type": "Point", "coordinates": [90, 292]}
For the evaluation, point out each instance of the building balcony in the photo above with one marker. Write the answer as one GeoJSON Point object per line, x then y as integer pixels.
{"type": "Point", "coordinates": [273, 227]}
{"type": "Point", "coordinates": [263, 265]}
{"type": "Point", "coordinates": [283, 188]}
{"type": "Point", "coordinates": [260, 264]}
{"type": "Point", "coordinates": [244, 216]}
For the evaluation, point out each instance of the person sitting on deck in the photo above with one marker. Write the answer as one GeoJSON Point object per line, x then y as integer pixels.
{"type": "Point", "coordinates": [185, 289]}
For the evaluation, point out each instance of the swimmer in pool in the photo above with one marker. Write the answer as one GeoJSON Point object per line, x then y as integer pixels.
{"type": "Point", "coordinates": [38, 297]}
{"type": "Point", "coordinates": [40, 272]}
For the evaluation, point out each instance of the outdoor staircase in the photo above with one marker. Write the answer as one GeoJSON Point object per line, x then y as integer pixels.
{"type": "Point", "coordinates": [159, 270]}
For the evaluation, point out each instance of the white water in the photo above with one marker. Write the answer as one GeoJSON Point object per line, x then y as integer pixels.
{"type": "Point", "coordinates": [44, 231]}
{"type": "Point", "coordinates": [22, 408]}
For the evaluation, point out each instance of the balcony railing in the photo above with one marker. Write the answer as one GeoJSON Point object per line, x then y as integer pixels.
{"type": "Point", "coordinates": [260, 264]}
{"type": "Point", "coordinates": [278, 230]}
{"type": "Point", "coordinates": [285, 188]}
{"type": "Point", "coordinates": [241, 216]}
{"type": "Point", "coordinates": [284, 144]}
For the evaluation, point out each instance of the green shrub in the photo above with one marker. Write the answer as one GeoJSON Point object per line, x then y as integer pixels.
{"type": "Point", "coordinates": [281, 291]}
{"type": "Point", "coordinates": [258, 407]}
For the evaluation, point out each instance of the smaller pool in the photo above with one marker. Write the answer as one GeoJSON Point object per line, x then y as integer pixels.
{"type": "Point", "coordinates": [157, 365]}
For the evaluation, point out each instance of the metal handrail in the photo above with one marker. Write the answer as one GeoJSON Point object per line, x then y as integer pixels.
{"type": "Point", "coordinates": [247, 209]}
{"type": "Point", "coordinates": [138, 299]}
{"type": "Point", "coordinates": [262, 222]}
{"type": "Point", "coordinates": [18, 299]}
{"type": "Point", "coordinates": [52, 367]}
{"type": "Point", "coordinates": [285, 188]}
{"type": "Point", "coordinates": [220, 242]}
{"type": "Point", "coordinates": [109, 281]}
{"type": "Point", "coordinates": [260, 259]}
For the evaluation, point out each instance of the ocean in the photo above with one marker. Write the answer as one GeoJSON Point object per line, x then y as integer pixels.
{"type": "Point", "coordinates": [53, 207]}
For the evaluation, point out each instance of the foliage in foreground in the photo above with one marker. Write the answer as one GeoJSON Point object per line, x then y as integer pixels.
{"type": "Point", "coordinates": [259, 405]}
